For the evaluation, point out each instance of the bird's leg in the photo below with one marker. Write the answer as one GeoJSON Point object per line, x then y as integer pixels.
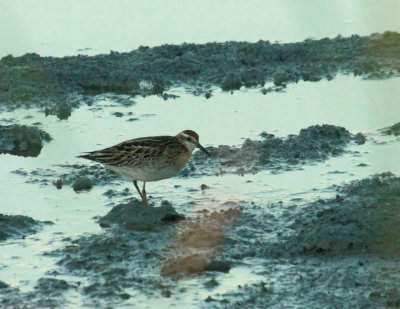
{"type": "Point", "coordinates": [138, 190]}
{"type": "Point", "coordinates": [144, 193]}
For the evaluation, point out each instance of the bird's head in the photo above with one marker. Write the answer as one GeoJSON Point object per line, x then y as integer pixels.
{"type": "Point", "coordinates": [190, 139]}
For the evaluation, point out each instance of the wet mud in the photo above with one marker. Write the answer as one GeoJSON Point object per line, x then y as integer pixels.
{"type": "Point", "coordinates": [323, 253]}
{"type": "Point", "coordinates": [12, 226]}
{"type": "Point", "coordinates": [21, 140]}
{"type": "Point", "coordinates": [57, 85]}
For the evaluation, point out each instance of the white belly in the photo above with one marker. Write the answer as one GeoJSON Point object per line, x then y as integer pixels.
{"type": "Point", "coordinates": [146, 173]}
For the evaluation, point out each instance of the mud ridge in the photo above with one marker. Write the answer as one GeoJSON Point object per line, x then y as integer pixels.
{"type": "Point", "coordinates": [313, 144]}
{"type": "Point", "coordinates": [57, 84]}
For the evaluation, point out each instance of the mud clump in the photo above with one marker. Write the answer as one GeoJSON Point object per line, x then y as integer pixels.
{"type": "Point", "coordinates": [392, 130]}
{"type": "Point", "coordinates": [18, 226]}
{"type": "Point", "coordinates": [313, 144]}
{"type": "Point", "coordinates": [21, 140]}
{"type": "Point", "coordinates": [52, 286]}
{"type": "Point", "coordinates": [137, 216]}
{"type": "Point", "coordinates": [81, 184]}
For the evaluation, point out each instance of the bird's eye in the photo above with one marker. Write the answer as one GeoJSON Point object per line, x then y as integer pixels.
{"type": "Point", "coordinates": [188, 138]}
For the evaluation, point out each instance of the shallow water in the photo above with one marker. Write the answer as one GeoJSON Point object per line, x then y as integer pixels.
{"type": "Point", "coordinates": [79, 27]}
{"type": "Point", "coordinates": [358, 105]}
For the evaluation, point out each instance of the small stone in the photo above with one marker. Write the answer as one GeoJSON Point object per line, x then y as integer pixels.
{"type": "Point", "coordinates": [58, 183]}
{"type": "Point", "coordinates": [118, 114]}
{"type": "Point", "coordinates": [211, 284]}
{"type": "Point", "coordinates": [209, 299]}
{"type": "Point", "coordinates": [125, 296]}
{"type": "Point", "coordinates": [204, 187]}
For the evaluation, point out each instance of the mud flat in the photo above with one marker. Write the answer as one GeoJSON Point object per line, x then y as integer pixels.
{"type": "Point", "coordinates": [58, 85]}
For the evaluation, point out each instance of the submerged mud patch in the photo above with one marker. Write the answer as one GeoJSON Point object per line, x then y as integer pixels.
{"type": "Point", "coordinates": [313, 144]}
{"type": "Point", "coordinates": [57, 83]}
{"type": "Point", "coordinates": [18, 226]}
{"type": "Point", "coordinates": [21, 140]}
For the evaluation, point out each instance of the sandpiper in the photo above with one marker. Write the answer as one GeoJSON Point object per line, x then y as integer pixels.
{"type": "Point", "coordinates": [149, 158]}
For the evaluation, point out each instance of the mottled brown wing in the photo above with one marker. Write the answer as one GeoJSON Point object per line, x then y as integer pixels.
{"type": "Point", "coordinates": [136, 152]}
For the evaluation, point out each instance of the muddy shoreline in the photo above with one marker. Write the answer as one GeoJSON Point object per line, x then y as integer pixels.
{"type": "Point", "coordinates": [58, 85]}
{"type": "Point", "coordinates": [338, 250]}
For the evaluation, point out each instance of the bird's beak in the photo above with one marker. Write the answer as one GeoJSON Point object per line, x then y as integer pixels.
{"type": "Point", "coordinates": [203, 150]}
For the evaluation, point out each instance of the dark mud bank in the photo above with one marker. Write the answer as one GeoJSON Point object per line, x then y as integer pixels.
{"type": "Point", "coordinates": [54, 82]}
